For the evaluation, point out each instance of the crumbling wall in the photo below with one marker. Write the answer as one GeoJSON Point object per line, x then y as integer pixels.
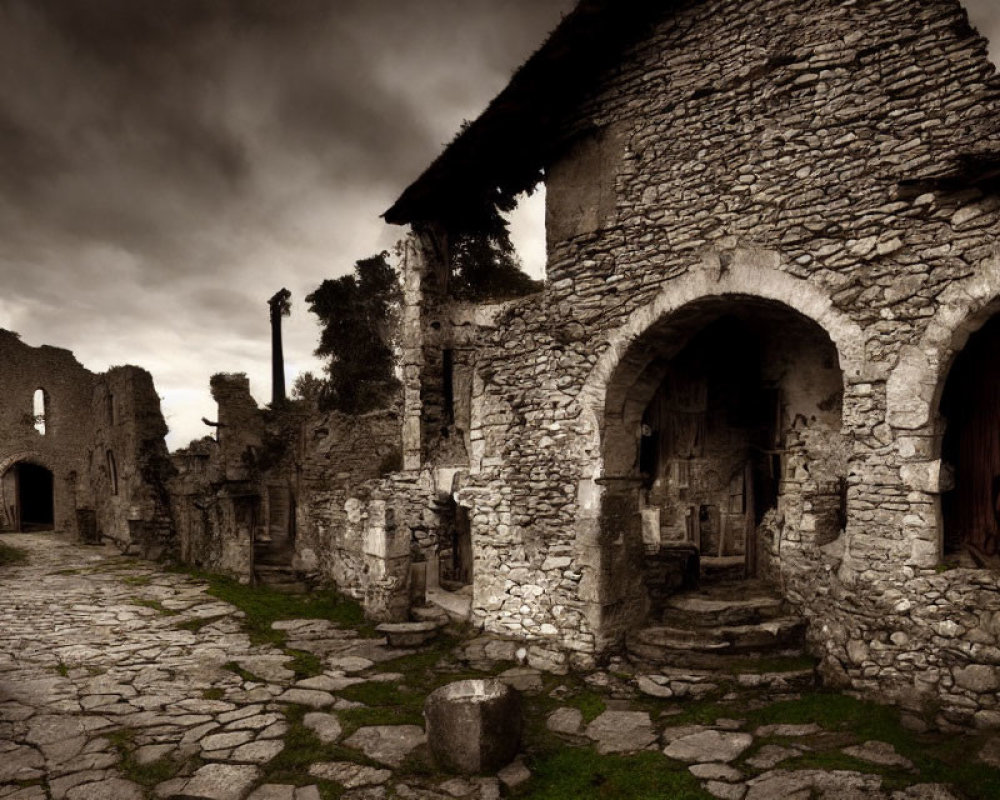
{"type": "Point", "coordinates": [103, 441]}
{"type": "Point", "coordinates": [216, 495]}
{"type": "Point", "coordinates": [355, 525]}
{"type": "Point", "coordinates": [62, 449]}
{"type": "Point", "coordinates": [808, 153]}
{"type": "Point", "coordinates": [130, 465]}
{"type": "Point", "coordinates": [240, 426]}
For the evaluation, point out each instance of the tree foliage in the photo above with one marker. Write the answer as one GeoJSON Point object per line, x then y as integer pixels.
{"type": "Point", "coordinates": [359, 315]}
{"type": "Point", "coordinates": [308, 389]}
{"type": "Point", "coordinates": [484, 264]}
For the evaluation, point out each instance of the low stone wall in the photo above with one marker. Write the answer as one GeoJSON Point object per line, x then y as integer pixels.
{"type": "Point", "coordinates": [929, 643]}
{"type": "Point", "coordinates": [354, 524]}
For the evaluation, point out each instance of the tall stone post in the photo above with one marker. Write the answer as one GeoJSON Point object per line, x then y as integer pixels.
{"type": "Point", "coordinates": [280, 307]}
{"type": "Point", "coordinates": [412, 349]}
{"type": "Point", "coordinates": [425, 277]}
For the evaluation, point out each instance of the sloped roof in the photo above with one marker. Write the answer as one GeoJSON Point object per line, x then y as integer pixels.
{"type": "Point", "coordinates": [506, 147]}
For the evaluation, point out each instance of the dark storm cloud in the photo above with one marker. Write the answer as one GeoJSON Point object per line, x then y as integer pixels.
{"type": "Point", "coordinates": [165, 165]}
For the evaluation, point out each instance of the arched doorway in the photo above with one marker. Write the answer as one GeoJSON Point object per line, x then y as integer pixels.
{"type": "Point", "coordinates": [27, 492]}
{"type": "Point", "coordinates": [722, 447]}
{"type": "Point", "coordinates": [970, 406]}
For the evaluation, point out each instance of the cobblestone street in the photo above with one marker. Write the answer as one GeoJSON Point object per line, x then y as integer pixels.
{"type": "Point", "coordinates": [120, 681]}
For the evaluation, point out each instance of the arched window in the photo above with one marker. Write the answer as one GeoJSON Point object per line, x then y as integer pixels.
{"type": "Point", "coordinates": [112, 473]}
{"type": "Point", "coordinates": [39, 410]}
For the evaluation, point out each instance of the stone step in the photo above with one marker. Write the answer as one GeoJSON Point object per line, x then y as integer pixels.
{"type": "Point", "coordinates": [704, 611]}
{"type": "Point", "coordinates": [723, 568]}
{"type": "Point", "coordinates": [279, 577]}
{"type": "Point", "coordinates": [709, 648]}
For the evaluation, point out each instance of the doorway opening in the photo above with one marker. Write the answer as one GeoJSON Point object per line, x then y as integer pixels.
{"type": "Point", "coordinates": [27, 492]}
{"type": "Point", "coordinates": [723, 454]}
{"type": "Point", "coordinates": [970, 405]}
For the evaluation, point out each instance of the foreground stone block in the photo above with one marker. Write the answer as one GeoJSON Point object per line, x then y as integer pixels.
{"type": "Point", "coordinates": [221, 782]}
{"type": "Point", "coordinates": [408, 634]}
{"type": "Point", "coordinates": [387, 744]}
{"type": "Point", "coordinates": [473, 726]}
{"type": "Point", "coordinates": [621, 731]}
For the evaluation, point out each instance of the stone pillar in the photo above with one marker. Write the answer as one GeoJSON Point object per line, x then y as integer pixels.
{"type": "Point", "coordinates": [425, 284]}
{"type": "Point", "coordinates": [414, 267]}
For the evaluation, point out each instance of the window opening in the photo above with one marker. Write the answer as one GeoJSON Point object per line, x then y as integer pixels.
{"type": "Point", "coordinates": [112, 472]}
{"type": "Point", "coordinates": [39, 410]}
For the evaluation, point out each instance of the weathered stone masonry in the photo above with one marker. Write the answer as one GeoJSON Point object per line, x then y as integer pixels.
{"type": "Point", "coordinates": [102, 445]}
{"type": "Point", "coordinates": [816, 163]}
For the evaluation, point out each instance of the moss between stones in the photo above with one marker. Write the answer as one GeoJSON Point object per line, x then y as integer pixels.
{"type": "Point", "coordinates": [10, 555]}
{"type": "Point", "coordinates": [581, 774]}
{"type": "Point", "coordinates": [156, 605]}
{"type": "Point", "coordinates": [147, 775]}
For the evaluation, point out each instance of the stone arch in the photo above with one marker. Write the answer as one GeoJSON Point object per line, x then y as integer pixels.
{"type": "Point", "coordinates": [754, 274]}
{"type": "Point", "coordinates": [631, 369]}
{"type": "Point", "coordinates": [915, 385]}
{"type": "Point", "coordinates": [27, 457]}
{"type": "Point", "coordinates": [41, 466]}
{"type": "Point", "coordinates": [914, 391]}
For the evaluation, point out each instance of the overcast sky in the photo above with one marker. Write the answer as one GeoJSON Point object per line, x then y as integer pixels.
{"type": "Point", "coordinates": [167, 165]}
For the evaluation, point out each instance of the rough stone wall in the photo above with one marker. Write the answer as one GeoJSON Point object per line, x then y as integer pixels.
{"type": "Point", "coordinates": [63, 447]}
{"type": "Point", "coordinates": [81, 427]}
{"type": "Point", "coordinates": [355, 525]}
{"type": "Point", "coordinates": [775, 149]}
{"type": "Point", "coordinates": [240, 425]}
{"type": "Point", "coordinates": [216, 495]}
{"type": "Point", "coordinates": [128, 425]}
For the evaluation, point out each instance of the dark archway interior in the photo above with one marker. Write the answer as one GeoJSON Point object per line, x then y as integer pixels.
{"type": "Point", "coordinates": [35, 503]}
{"type": "Point", "coordinates": [711, 439]}
{"type": "Point", "coordinates": [455, 547]}
{"type": "Point", "coordinates": [971, 406]}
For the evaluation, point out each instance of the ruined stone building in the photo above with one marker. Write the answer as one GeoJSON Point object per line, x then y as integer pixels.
{"type": "Point", "coordinates": [80, 452]}
{"type": "Point", "coordinates": [768, 340]}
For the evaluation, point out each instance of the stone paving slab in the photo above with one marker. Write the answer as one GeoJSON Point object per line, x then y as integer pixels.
{"type": "Point", "coordinates": [88, 656]}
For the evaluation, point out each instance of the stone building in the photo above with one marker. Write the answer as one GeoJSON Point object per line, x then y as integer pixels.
{"type": "Point", "coordinates": [79, 449]}
{"type": "Point", "coordinates": [768, 337]}
{"type": "Point", "coordinates": [290, 497]}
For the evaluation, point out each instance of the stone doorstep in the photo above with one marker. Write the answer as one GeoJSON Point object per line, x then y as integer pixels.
{"type": "Point", "coordinates": [726, 638]}
{"type": "Point", "coordinates": [692, 610]}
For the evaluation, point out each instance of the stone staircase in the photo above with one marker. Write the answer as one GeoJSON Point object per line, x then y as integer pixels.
{"type": "Point", "coordinates": [725, 627]}
{"type": "Point", "coordinates": [272, 567]}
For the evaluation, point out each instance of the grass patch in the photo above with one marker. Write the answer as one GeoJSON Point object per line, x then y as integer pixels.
{"type": "Point", "coordinates": [10, 555]}
{"type": "Point", "coordinates": [423, 663]}
{"type": "Point", "coordinates": [302, 749]}
{"type": "Point", "coordinates": [156, 605]}
{"type": "Point", "coordinates": [940, 758]}
{"type": "Point", "coordinates": [245, 674]}
{"type": "Point", "coordinates": [303, 664]}
{"type": "Point", "coordinates": [212, 693]}
{"type": "Point", "coordinates": [384, 704]}
{"type": "Point", "coordinates": [137, 580]}
{"type": "Point", "coordinates": [353, 718]}
{"type": "Point", "coordinates": [589, 702]}
{"type": "Point", "coordinates": [62, 669]}
{"type": "Point", "coordinates": [581, 774]}
{"type": "Point", "coordinates": [147, 775]}
{"type": "Point", "coordinates": [196, 624]}
{"type": "Point", "coordinates": [264, 606]}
